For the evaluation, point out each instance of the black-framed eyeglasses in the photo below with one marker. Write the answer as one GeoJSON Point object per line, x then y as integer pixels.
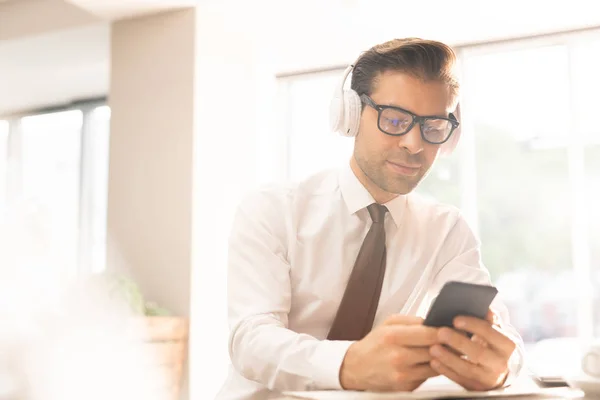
{"type": "Point", "coordinates": [396, 121]}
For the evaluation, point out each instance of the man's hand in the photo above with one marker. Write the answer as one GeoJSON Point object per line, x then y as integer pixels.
{"type": "Point", "coordinates": [393, 356]}
{"type": "Point", "coordinates": [479, 363]}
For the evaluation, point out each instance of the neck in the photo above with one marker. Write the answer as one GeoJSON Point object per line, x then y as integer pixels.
{"type": "Point", "coordinates": [379, 195]}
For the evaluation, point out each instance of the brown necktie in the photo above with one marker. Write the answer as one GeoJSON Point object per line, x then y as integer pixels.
{"type": "Point", "coordinates": [354, 318]}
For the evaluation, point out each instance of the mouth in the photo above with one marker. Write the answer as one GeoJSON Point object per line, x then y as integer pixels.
{"type": "Point", "coordinates": [404, 169]}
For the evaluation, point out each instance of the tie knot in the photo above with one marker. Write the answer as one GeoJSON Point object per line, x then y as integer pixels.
{"type": "Point", "coordinates": [377, 212]}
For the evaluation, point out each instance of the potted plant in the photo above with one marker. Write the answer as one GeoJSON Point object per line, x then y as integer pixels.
{"type": "Point", "coordinates": [164, 336]}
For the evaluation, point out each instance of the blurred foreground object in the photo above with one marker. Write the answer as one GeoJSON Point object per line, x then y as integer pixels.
{"type": "Point", "coordinates": [164, 338]}
{"type": "Point", "coordinates": [65, 335]}
{"type": "Point", "coordinates": [84, 341]}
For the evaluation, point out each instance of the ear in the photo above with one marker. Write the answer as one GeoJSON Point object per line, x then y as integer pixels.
{"type": "Point", "coordinates": [450, 145]}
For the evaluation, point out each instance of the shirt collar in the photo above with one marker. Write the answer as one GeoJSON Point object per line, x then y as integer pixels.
{"type": "Point", "coordinates": [357, 197]}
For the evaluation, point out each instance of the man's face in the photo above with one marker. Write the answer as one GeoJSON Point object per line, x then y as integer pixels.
{"type": "Point", "coordinates": [396, 164]}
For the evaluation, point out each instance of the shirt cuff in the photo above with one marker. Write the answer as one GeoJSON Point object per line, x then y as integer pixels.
{"type": "Point", "coordinates": [515, 366]}
{"type": "Point", "coordinates": [326, 363]}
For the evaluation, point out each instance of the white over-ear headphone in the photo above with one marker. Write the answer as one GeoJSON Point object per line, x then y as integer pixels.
{"type": "Point", "coordinates": [345, 108]}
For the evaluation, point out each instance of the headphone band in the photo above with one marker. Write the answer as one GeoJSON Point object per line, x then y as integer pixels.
{"type": "Point", "coordinates": [346, 73]}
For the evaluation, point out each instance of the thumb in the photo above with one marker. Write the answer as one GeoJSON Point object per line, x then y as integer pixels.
{"type": "Point", "coordinates": [493, 317]}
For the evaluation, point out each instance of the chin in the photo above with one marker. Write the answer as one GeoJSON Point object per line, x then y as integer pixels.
{"type": "Point", "coordinates": [403, 187]}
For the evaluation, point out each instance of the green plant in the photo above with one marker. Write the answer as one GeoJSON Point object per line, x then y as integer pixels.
{"type": "Point", "coordinates": [125, 289]}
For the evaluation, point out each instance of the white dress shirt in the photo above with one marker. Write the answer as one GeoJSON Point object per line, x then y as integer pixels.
{"type": "Point", "coordinates": [291, 253]}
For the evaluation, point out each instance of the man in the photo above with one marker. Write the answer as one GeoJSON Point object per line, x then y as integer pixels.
{"type": "Point", "coordinates": [329, 279]}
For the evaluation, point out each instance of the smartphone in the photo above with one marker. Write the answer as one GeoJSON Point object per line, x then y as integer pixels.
{"type": "Point", "coordinates": [549, 381]}
{"type": "Point", "coordinates": [460, 298]}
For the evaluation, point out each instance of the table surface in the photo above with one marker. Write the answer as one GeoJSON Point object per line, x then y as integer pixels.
{"type": "Point", "coordinates": [545, 394]}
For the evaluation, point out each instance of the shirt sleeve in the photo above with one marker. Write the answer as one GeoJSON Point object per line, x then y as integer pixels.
{"type": "Point", "coordinates": [460, 260]}
{"type": "Point", "coordinates": [261, 346]}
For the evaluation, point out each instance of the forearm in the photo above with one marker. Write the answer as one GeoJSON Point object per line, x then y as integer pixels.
{"type": "Point", "coordinates": [263, 350]}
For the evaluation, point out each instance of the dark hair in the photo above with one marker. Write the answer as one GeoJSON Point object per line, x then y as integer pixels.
{"type": "Point", "coordinates": [424, 59]}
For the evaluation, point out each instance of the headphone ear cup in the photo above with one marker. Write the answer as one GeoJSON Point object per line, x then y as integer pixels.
{"type": "Point", "coordinates": [352, 111]}
{"type": "Point", "coordinates": [338, 108]}
{"type": "Point", "coordinates": [450, 145]}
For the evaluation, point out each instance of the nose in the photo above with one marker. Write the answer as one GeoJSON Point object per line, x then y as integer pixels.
{"type": "Point", "coordinates": [412, 140]}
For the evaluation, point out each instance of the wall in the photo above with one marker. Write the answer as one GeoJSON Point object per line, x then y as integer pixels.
{"type": "Point", "coordinates": [233, 152]}
{"type": "Point", "coordinates": [152, 102]}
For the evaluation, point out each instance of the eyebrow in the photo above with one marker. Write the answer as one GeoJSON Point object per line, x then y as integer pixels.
{"type": "Point", "coordinates": [424, 116]}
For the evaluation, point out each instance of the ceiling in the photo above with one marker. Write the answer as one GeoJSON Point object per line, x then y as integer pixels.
{"type": "Point", "coordinates": [22, 18]}
{"type": "Point", "coordinates": [55, 68]}
{"type": "Point", "coordinates": [54, 52]}
{"type": "Point", "coordinates": [118, 9]}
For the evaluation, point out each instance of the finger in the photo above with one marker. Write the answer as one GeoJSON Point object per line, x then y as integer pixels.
{"type": "Point", "coordinates": [410, 335]}
{"type": "Point", "coordinates": [453, 351]}
{"type": "Point", "coordinates": [479, 340]}
{"type": "Point", "coordinates": [468, 384]}
{"type": "Point", "coordinates": [475, 352]}
{"type": "Point", "coordinates": [493, 336]}
{"type": "Point", "coordinates": [414, 356]}
{"type": "Point", "coordinates": [398, 319]}
{"type": "Point", "coordinates": [493, 317]}
{"type": "Point", "coordinates": [466, 370]}
{"type": "Point", "coordinates": [418, 373]}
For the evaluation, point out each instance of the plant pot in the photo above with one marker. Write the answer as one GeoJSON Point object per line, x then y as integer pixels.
{"type": "Point", "coordinates": [166, 340]}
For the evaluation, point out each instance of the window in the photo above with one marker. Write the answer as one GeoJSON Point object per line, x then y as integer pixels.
{"type": "Point", "coordinates": [586, 86]}
{"type": "Point", "coordinates": [310, 137]}
{"type": "Point", "coordinates": [50, 154]}
{"type": "Point", "coordinates": [592, 191]}
{"type": "Point", "coordinates": [526, 173]}
{"type": "Point", "coordinates": [53, 181]}
{"type": "Point", "coordinates": [523, 192]}
{"type": "Point", "coordinates": [444, 180]}
{"type": "Point", "coordinates": [95, 191]}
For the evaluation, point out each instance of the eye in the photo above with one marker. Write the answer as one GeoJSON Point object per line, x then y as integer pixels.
{"type": "Point", "coordinates": [394, 122]}
{"type": "Point", "coordinates": [432, 130]}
